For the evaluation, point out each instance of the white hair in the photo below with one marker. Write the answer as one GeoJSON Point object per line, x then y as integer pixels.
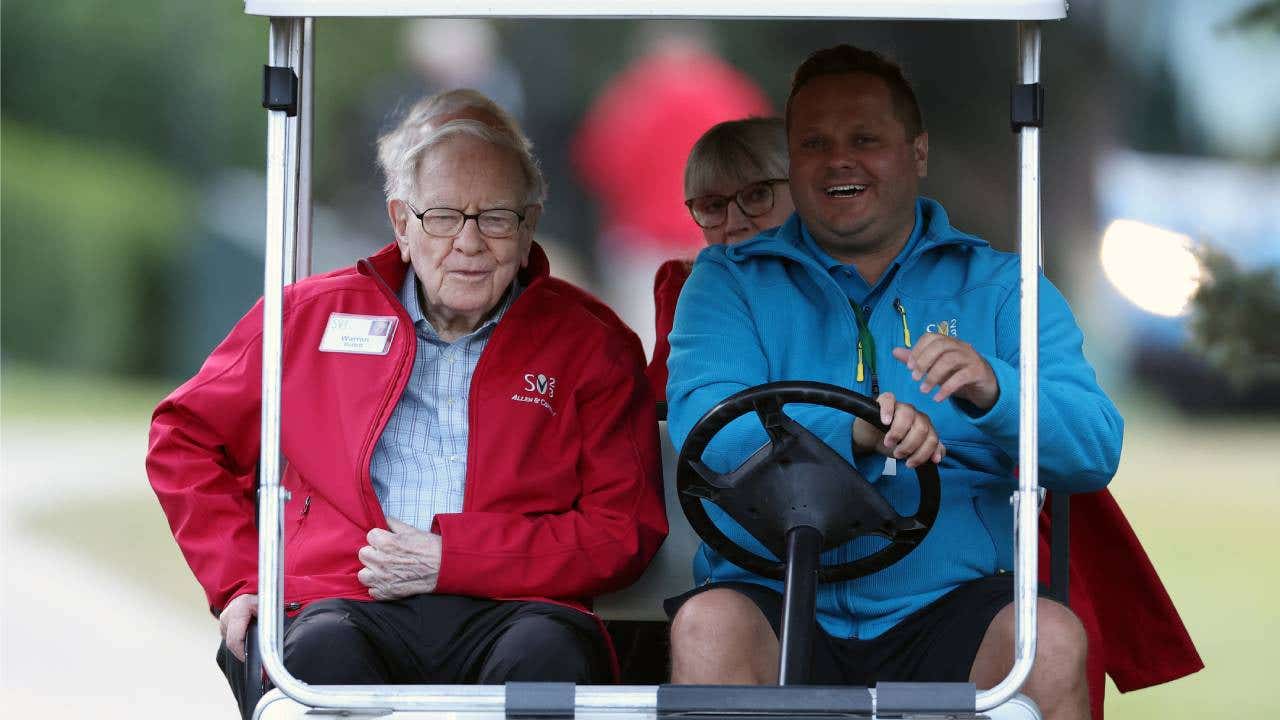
{"type": "Point", "coordinates": [400, 151]}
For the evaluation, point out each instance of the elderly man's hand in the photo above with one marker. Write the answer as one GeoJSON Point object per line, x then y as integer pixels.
{"type": "Point", "coordinates": [952, 366]}
{"type": "Point", "coordinates": [399, 562]}
{"type": "Point", "coordinates": [910, 435]}
{"type": "Point", "coordinates": [234, 622]}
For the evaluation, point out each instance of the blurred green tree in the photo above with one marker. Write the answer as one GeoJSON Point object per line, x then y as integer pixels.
{"type": "Point", "coordinates": [88, 232]}
{"type": "Point", "coordinates": [1236, 317]}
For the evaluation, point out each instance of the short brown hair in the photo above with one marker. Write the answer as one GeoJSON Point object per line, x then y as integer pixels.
{"type": "Point", "coordinates": [847, 59]}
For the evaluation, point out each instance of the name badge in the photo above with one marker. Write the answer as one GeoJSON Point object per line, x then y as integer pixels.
{"type": "Point", "coordinates": [361, 334]}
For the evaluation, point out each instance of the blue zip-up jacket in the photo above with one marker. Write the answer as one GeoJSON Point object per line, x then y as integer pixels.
{"type": "Point", "coordinates": [767, 309]}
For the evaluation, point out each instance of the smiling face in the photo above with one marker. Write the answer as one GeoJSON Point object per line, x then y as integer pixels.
{"type": "Point", "coordinates": [463, 278]}
{"type": "Point", "coordinates": [854, 172]}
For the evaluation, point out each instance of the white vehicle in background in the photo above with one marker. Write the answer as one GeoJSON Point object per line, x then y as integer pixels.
{"type": "Point", "coordinates": [288, 96]}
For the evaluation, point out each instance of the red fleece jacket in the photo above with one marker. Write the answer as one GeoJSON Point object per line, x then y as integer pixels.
{"type": "Point", "coordinates": [563, 496]}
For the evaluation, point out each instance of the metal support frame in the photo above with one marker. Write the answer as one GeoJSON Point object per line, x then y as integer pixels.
{"type": "Point", "coordinates": [288, 256]}
{"type": "Point", "coordinates": [282, 198]}
{"type": "Point", "coordinates": [1026, 499]}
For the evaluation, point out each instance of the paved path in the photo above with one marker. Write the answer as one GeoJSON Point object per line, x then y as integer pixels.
{"type": "Point", "coordinates": [80, 638]}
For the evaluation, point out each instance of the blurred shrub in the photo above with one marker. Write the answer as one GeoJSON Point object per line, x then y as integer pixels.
{"type": "Point", "coordinates": [88, 233]}
{"type": "Point", "coordinates": [1236, 315]}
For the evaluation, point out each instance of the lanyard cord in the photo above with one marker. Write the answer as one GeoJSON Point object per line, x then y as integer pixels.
{"type": "Point", "coordinates": [866, 350]}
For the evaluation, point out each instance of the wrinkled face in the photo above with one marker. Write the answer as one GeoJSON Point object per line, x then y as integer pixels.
{"type": "Point", "coordinates": [738, 226]}
{"type": "Point", "coordinates": [854, 172]}
{"type": "Point", "coordinates": [464, 277]}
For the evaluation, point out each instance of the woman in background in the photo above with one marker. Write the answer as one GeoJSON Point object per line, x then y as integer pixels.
{"type": "Point", "coordinates": [735, 186]}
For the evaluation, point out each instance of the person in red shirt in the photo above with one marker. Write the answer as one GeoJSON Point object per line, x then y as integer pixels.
{"type": "Point", "coordinates": [630, 153]}
{"type": "Point", "coordinates": [470, 444]}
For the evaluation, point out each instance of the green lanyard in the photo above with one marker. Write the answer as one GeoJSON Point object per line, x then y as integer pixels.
{"type": "Point", "coordinates": [866, 350]}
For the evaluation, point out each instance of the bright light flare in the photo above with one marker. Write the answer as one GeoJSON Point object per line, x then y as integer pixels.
{"type": "Point", "coordinates": [1153, 268]}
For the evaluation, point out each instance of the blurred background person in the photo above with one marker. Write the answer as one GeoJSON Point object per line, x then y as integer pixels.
{"type": "Point", "coordinates": [631, 151]}
{"type": "Point", "coordinates": [735, 186]}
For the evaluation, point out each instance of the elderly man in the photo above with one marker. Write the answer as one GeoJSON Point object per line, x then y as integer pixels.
{"type": "Point", "coordinates": [868, 286]}
{"type": "Point", "coordinates": [471, 443]}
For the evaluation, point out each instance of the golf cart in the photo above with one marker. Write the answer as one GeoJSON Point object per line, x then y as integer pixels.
{"type": "Point", "coordinates": [796, 495]}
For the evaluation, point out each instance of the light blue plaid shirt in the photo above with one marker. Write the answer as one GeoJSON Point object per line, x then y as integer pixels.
{"type": "Point", "coordinates": [419, 465]}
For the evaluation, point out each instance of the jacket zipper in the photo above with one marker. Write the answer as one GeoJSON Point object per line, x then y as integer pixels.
{"type": "Point", "coordinates": [902, 313]}
{"type": "Point", "coordinates": [373, 507]}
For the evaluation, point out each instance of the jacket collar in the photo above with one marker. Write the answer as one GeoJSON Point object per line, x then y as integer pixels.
{"type": "Point", "coordinates": [787, 241]}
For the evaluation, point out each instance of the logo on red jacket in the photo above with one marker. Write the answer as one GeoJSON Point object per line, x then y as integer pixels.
{"type": "Point", "coordinates": [540, 389]}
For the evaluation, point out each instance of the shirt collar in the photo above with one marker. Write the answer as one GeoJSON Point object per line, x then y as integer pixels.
{"type": "Point", "coordinates": [409, 298]}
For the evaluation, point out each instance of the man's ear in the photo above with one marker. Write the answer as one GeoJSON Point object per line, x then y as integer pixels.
{"type": "Point", "coordinates": [399, 214]}
{"type": "Point", "coordinates": [920, 148]}
{"type": "Point", "coordinates": [531, 215]}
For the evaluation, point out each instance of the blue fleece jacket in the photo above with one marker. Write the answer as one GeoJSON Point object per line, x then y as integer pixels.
{"type": "Point", "coordinates": [771, 309]}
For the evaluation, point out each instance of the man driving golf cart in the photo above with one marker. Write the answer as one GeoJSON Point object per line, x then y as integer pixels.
{"type": "Point", "coordinates": [869, 287]}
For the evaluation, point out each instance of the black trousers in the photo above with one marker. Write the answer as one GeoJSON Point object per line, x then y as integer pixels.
{"type": "Point", "coordinates": [428, 639]}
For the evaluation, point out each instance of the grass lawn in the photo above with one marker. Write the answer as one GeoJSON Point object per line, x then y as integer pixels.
{"type": "Point", "coordinates": [1205, 497]}
{"type": "Point", "coordinates": [31, 394]}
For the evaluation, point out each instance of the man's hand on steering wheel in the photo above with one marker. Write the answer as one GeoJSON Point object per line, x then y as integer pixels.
{"type": "Point", "coordinates": [910, 435]}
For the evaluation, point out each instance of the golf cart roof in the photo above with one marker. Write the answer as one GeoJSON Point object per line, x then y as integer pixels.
{"type": "Point", "coordinates": [798, 9]}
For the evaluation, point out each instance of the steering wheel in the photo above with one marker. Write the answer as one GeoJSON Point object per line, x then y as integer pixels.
{"type": "Point", "coordinates": [797, 479]}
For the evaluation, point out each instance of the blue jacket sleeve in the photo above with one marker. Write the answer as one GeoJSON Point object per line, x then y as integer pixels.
{"type": "Point", "coordinates": [1080, 428]}
{"type": "Point", "coordinates": [716, 351]}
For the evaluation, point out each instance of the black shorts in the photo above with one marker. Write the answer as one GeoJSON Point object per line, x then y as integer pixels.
{"type": "Point", "coordinates": [427, 639]}
{"type": "Point", "coordinates": [936, 643]}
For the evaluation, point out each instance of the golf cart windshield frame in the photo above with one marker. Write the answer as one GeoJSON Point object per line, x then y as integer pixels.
{"type": "Point", "coordinates": [288, 257]}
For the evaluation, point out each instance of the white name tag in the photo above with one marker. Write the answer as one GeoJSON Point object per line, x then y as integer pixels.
{"type": "Point", "coordinates": [363, 334]}
{"type": "Point", "coordinates": [890, 466]}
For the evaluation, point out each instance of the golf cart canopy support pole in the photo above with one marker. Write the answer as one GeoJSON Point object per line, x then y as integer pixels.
{"type": "Point", "coordinates": [1026, 501]}
{"type": "Point", "coordinates": [288, 256]}
{"type": "Point", "coordinates": [1020, 10]}
{"type": "Point", "coordinates": [279, 267]}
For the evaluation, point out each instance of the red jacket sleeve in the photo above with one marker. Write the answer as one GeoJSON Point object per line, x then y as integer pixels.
{"type": "Point", "coordinates": [201, 460]}
{"type": "Point", "coordinates": [607, 540]}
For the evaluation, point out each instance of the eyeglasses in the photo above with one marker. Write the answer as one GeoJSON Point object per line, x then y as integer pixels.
{"type": "Point", "coordinates": [754, 200]}
{"type": "Point", "coordinates": [441, 222]}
